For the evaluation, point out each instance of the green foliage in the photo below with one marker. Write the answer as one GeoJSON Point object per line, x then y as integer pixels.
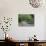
{"type": "Point", "coordinates": [29, 18]}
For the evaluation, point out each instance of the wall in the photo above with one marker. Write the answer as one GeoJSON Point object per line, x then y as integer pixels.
{"type": "Point", "coordinates": [45, 28]}
{"type": "Point", "coordinates": [12, 8]}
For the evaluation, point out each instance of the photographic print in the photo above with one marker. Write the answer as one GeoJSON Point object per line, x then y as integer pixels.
{"type": "Point", "coordinates": [26, 19]}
